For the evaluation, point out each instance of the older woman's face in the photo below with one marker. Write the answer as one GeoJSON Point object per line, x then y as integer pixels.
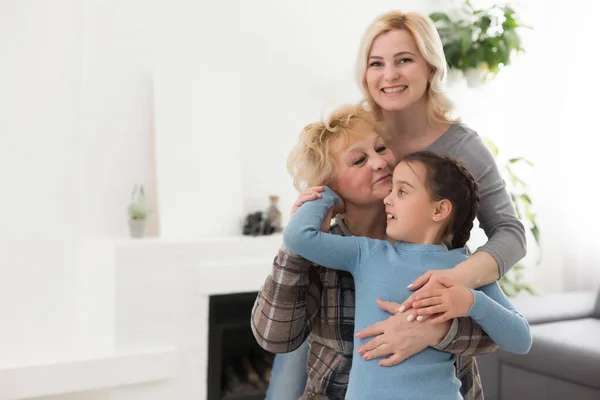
{"type": "Point", "coordinates": [397, 74]}
{"type": "Point", "coordinates": [364, 170]}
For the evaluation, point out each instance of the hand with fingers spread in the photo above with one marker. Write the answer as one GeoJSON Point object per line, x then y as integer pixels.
{"type": "Point", "coordinates": [398, 338]}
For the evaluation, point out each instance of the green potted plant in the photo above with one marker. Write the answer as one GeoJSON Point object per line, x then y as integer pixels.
{"type": "Point", "coordinates": [479, 42]}
{"type": "Point", "coordinates": [514, 282]}
{"type": "Point", "coordinates": [137, 212]}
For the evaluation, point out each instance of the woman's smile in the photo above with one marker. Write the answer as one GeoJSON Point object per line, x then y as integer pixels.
{"type": "Point", "coordinates": [386, 179]}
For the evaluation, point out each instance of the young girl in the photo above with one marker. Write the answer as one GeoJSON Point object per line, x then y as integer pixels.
{"type": "Point", "coordinates": [430, 213]}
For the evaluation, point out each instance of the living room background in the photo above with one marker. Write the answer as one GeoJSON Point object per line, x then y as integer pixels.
{"type": "Point", "coordinates": [82, 123]}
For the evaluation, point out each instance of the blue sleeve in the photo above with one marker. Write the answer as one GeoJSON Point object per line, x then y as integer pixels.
{"type": "Point", "coordinates": [303, 236]}
{"type": "Point", "coordinates": [496, 315]}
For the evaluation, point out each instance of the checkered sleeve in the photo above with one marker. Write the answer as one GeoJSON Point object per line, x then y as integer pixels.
{"type": "Point", "coordinates": [466, 338]}
{"type": "Point", "coordinates": [287, 303]}
{"type": "Point", "coordinates": [467, 372]}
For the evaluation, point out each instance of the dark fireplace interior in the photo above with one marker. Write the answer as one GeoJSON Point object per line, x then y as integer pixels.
{"type": "Point", "coordinates": [237, 367]}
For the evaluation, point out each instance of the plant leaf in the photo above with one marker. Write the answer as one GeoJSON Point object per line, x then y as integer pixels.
{"type": "Point", "coordinates": [516, 204]}
{"type": "Point", "coordinates": [526, 199]}
{"type": "Point", "coordinates": [531, 290]}
{"type": "Point", "coordinates": [508, 288]}
{"type": "Point", "coordinates": [516, 160]}
{"type": "Point", "coordinates": [484, 23]}
{"type": "Point", "coordinates": [439, 16]}
{"type": "Point", "coordinates": [536, 233]}
{"type": "Point", "coordinates": [510, 21]}
{"type": "Point", "coordinates": [513, 41]}
{"type": "Point", "coordinates": [514, 178]}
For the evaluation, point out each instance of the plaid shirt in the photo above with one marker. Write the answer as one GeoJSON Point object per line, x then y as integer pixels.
{"type": "Point", "coordinates": [301, 300]}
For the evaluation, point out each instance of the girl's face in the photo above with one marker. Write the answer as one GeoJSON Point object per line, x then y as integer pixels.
{"type": "Point", "coordinates": [409, 207]}
{"type": "Point", "coordinates": [397, 74]}
{"type": "Point", "coordinates": [363, 172]}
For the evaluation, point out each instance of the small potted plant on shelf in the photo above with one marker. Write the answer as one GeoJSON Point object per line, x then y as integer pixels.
{"type": "Point", "coordinates": [138, 212]}
{"type": "Point", "coordinates": [478, 43]}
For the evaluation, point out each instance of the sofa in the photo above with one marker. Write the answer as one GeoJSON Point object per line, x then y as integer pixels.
{"type": "Point", "coordinates": [564, 360]}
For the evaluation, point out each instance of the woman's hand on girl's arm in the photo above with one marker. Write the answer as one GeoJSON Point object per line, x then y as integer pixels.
{"type": "Point", "coordinates": [312, 193]}
{"type": "Point", "coordinates": [398, 338]}
{"type": "Point", "coordinates": [478, 270]}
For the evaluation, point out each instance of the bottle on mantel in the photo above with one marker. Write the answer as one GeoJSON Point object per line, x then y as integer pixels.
{"type": "Point", "coordinates": [273, 214]}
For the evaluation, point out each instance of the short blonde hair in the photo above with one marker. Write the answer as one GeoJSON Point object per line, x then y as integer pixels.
{"type": "Point", "coordinates": [429, 43]}
{"type": "Point", "coordinates": [311, 162]}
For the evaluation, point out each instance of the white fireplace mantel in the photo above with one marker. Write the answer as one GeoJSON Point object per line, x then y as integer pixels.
{"type": "Point", "coordinates": [162, 289]}
{"type": "Point", "coordinates": [219, 265]}
{"type": "Point", "coordinates": [161, 296]}
{"type": "Point", "coordinates": [144, 306]}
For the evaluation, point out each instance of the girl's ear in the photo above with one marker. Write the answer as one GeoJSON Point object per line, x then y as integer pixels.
{"type": "Point", "coordinates": [442, 210]}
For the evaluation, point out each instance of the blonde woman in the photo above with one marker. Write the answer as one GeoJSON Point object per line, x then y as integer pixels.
{"type": "Point", "coordinates": [400, 67]}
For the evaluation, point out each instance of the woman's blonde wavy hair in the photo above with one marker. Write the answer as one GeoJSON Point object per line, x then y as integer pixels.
{"type": "Point", "coordinates": [311, 161]}
{"type": "Point", "coordinates": [429, 43]}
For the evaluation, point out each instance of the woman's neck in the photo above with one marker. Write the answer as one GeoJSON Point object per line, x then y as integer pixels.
{"type": "Point", "coordinates": [409, 131]}
{"type": "Point", "coordinates": [366, 221]}
{"type": "Point", "coordinates": [408, 124]}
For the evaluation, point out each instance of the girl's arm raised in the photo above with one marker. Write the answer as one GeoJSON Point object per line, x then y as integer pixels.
{"type": "Point", "coordinates": [304, 237]}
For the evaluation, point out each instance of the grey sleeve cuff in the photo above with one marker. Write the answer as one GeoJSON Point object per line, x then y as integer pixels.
{"type": "Point", "coordinates": [502, 268]}
{"type": "Point", "coordinates": [503, 264]}
{"type": "Point", "coordinates": [450, 336]}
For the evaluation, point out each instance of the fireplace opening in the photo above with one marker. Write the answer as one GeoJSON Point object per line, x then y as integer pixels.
{"type": "Point", "coordinates": [238, 368]}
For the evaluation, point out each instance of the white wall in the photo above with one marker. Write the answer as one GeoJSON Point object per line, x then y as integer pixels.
{"type": "Point", "coordinates": [117, 123]}
{"type": "Point", "coordinates": [577, 160]}
{"type": "Point", "coordinates": [198, 121]}
{"type": "Point", "coordinates": [41, 177]}
{"type": "Point", "coordinates": [132, 50]}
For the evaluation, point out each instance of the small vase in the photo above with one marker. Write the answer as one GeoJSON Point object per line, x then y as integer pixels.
{"type": "Point", "coordinates": [273, 214]}
{"type": "Point", "coordinates": [137, 227]}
